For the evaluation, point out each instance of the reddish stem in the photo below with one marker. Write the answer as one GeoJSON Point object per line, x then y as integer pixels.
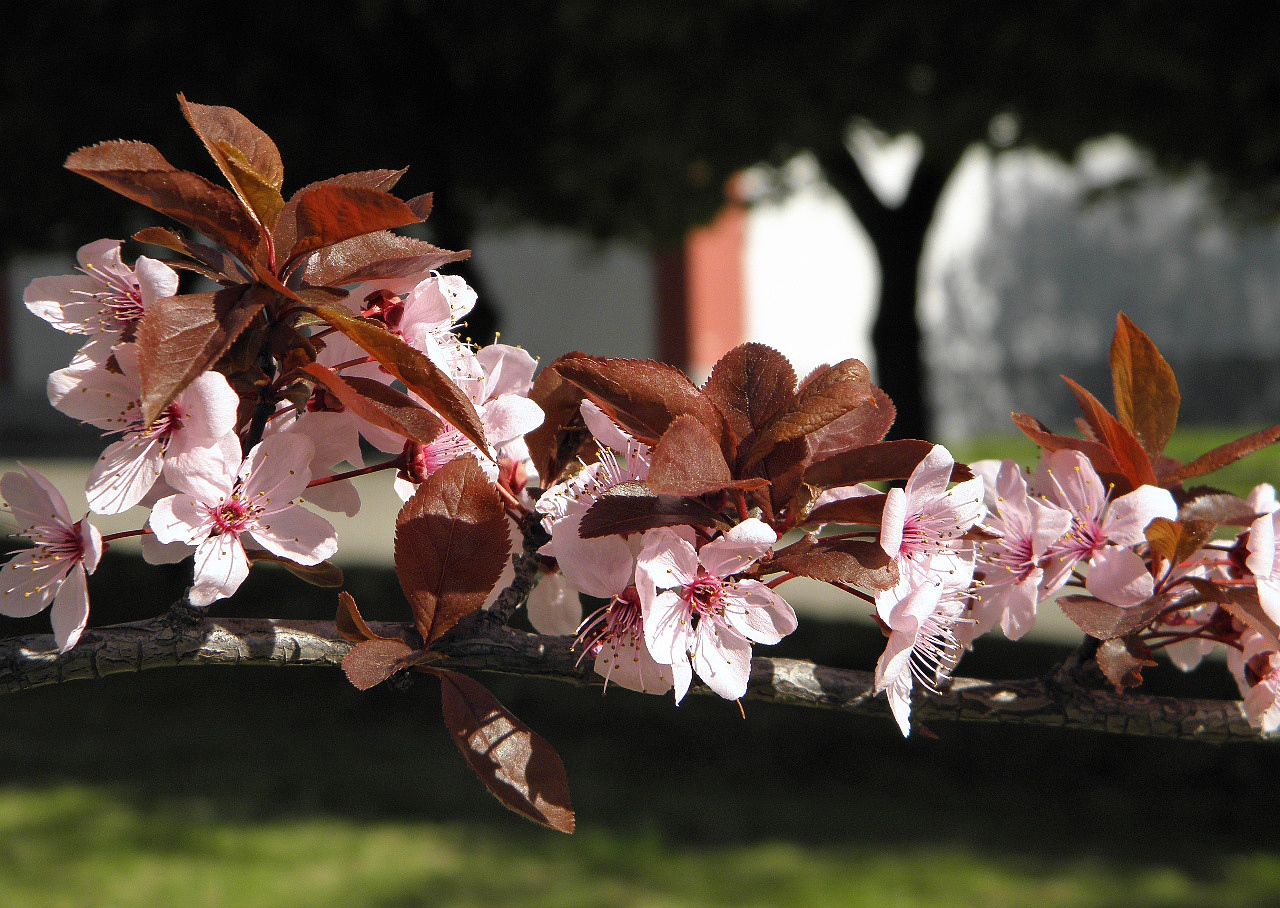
{"type": "Point", "coordinates": [358, 361]}
{"type": "Point", "coordinates": [125, 534]}
{"type": "Point", "coordinates": [394, 463]}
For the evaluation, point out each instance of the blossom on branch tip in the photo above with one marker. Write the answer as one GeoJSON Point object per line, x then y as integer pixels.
{"type": "Point", "coordinates": [55, 569]}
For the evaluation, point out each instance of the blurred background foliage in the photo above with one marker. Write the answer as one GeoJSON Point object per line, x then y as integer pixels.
{"type": "Point", "coordinates": [621, 120]}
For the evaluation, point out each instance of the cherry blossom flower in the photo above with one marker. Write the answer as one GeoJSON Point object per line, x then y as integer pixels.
{"type": "Point", "coordinates": [603, 565]}
{"type": "Point", "coordinates": [615, 636]}
{"type": "Point", "coordinates": [1256, 668]}
{"type": "Point", "coordinates": [111, 399]}
{"type": "Point", "coordinates": [924, 524]}
{"type": "Point", "coordinates": [218, 504]}
{"type": "Point", "coordinates": [921, 619]}
{"type": "Point", "coordinates": [1011, 570]}
{"type": "Point", "coordinates": [106, 297]}
{"type": "Point", "coordinates": [697, 617]}
{"type": "Point", "coordinates": [55, 569]}
{"type": "Point", "coordinates": [497, 379]}
{"type": "Point", "coordinates": [1102, 530]}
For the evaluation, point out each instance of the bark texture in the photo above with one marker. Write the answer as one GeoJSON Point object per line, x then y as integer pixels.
{"type": "Point", "coordinates": [184, 637]}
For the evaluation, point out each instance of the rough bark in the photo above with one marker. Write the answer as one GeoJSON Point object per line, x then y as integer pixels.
{"type": "Point", "coordinates": [184, 637]}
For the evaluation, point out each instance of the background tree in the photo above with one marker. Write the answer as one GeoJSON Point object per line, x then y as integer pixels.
{"type": "Point", "coordinates": [627, 120]}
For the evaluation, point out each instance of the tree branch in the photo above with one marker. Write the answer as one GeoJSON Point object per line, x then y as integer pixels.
{"type": "Point", "coordinates": [482, 643]}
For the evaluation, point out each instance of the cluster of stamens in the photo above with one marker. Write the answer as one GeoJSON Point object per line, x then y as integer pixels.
{"type": "Point", "coordinates": [120, 303]}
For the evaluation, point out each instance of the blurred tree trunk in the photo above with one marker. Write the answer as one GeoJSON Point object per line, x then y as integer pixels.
{"type": "Point", "coordinates": [898, 235]}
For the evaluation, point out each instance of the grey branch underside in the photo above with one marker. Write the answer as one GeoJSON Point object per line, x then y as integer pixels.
{"type": "Point", "coordinates": [483, 643]}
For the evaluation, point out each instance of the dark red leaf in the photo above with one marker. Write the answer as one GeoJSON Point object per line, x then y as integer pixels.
{"type": "Point", "coordinates": [784, 468]}
{"type": "Point", "coordinates": [286, 229]}
{"type": "Point", "coordinates": [1129, 455]}
{"type": "Point", "coordinates": [1147, 397]}
{"type": "Point", "coordinates": [1122, 661]}
{"type": "Point", "coordinates": [750, 384]}
{"type": "Point", "coordinates": [350, 623]}
{"type": "Point", "coordinates": [330, 214]}
{"type": "Point", "coordinates": [861, 426]}
{"type": "Point", "coordinates": [379, 404]}
{"type": "Point", "coordinates": [825, 397]}
{"type": "Point", "coordinates": [516, 764]}
{"type": "Point", "coordinates": [421, 205]}
{"type": "Point", "coordinates": [633, 508]}
{"type": "Point", "coordinates": [560, 438]}
{"type": "Point", "coordinates": [371, 662]}
{"type": "Point", "coordinates": [642, 396]}
{"type": "Point", "coordinates": [215, 264]}
{"type": "Point", "coordinates": [1229, 453]}
{"type": "Point", "coordinates": [378, 256]}
{"type": "Point", "coordinates": [181, 337]}
{"type": "Point", "coordinates": [859, 562]}
{"type": "Point", "coordinates": [139, 172]}
{"type": "Point", "coordinates": [451, 546]}
{"type": "Point", "coordinates": [419, 374]}
{"type": "Point", "coordinates": [1105, 621]}
{"type": "Point", "coordinates": [865, 510]}
{"type": "Point", "coordinates": [1221, 508]}
{"type": "Point", "coordinates": [1176, 541]}
{"type": "Point", "coordinates": [244, 153]}
{"type": "Point", "coordinates": [1243, 604]}
{"type": "Point", "coordinates": [687, 461]}
{"type": "Point", "coordinates": [886, 461]}
{"type": "Point", "coordinates": [1098, 454]}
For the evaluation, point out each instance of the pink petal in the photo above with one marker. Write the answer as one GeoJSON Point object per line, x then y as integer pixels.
{"type": "Point", "coordinates": [893, 521]}
{"type": "Point", "coordinates": [90, 545]}
{"type": "Point", "coordinates": [932, 475]}
{"type": "Point", "coordinates": [738, 549]}
{"type": "Point", "coordinates": [762, 615]}
{"type": "Point", "coordinates": [210, 407]}
{"type": "Point", "coordinates": [57, 301]}
{"type": "Point", "coordinates": [681, 677]}
{"type": "Point", "coordinates": [33, 500]}
{"type": "Point", "coordinates": [180, 518]}
{"type": "Point", "coordinates": [1018, 602]}
{"type": "Point", "coordinates": [1119, 576]}
{"type": "Point", "coordinates": [554, 607]}
{"type": "Point", "coordinates": [25, 587]}
{"type": "Point", "coordinates": [624, 663]}
{"type": "Point", "coordinates": [124, 474]}
{"type": "Point", "coordinates": [667, 560]}
{"type": "Point", "coordinates": [601, 567]}
{"type": "Point", "coordinates": [277, 471]}
{"type": "Point", "coordinates": [507, 370]}
{"type": "Point", "coordinates": [603, 428]}
{"type": "Point", "coordinates": [667, 631]}
{"type": "Point", "coordinates": [156, 280]}
{"type": "Point", "coordinates": [510, 416]}
{"type": "Point", "coordinates": [90, 393]}
{"type": "Point", "coordinates": [1130, 514]}
{"type": "Point", "coordinates": [221, 566]}
{"type": "Point", "coordinates": [723, 660]}
{"type": "Point", "coordinates": [296, 534]}
{"type": "Point", "coordinates": [1262, 546]}
{"type": "Point", "coordinates": [70, 612]}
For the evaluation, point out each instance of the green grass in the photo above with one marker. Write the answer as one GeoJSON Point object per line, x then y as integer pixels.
{"type": "Point", "coordinates": [73, 845]}
{"type": "Point", "coordinates": [1186, 445]}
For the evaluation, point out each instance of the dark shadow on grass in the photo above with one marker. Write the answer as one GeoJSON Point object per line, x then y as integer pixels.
{"type": "Point", "coordinates": [262, 743]}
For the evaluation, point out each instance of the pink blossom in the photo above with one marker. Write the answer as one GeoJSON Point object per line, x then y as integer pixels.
{"type": "Point", "coordinates": [922, 620]}
{"type": "Point", "coordinates": [1256, 668]}
{"type": "Point", "coordinates": [697, 617]}
{"type": "Point", "coordinates": [56, 568]}
{"type": "Point", "coordinates": [199, 418]}
{"type": "Point", "coordinates": [218, 504]}
{"type": "Point", "coordinates": [603, 565]}
{"type": "Point", "coordinates": [1100, 529]}
{"type": "Point", "coordinates": [106, 297]}
{"type": "Point", "coordinates": [924, 524]}
{"type": "Point", "coordinates": [614, 635]}
{"type": "Point", "coordinates": [1011, 566]}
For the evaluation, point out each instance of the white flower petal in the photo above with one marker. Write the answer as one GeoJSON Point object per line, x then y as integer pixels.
{"type": "Point", "coordinates": [70, 612]}
{"type": "Point", "coordinates": [296, 534]}
{"type": "Point", "coordinates": [221, 566]}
